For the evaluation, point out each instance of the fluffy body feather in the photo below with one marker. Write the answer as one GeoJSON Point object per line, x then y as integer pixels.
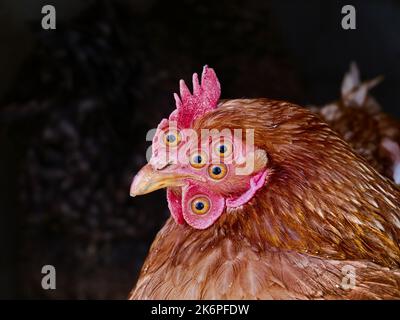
{"type": "Point", "coordinates": [358, 118]}
{"type": "Point", "coordinates": [323, 208]}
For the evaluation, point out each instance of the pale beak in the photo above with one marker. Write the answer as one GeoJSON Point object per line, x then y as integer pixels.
{"type": "Point", "coordinates": [149, 179]}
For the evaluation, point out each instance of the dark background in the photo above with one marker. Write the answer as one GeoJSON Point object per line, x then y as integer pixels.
{"type": "Point", "coordinates": [76, 103]}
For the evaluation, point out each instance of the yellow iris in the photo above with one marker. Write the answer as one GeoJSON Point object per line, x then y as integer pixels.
{"type": "Point", "coordinates": [198, 160]}
{"type": "Point", "coordinates": [217, 171]}
{"type": "Point", "coordinates": [200, 205]}
{"type": "Point", "coordinates": [223, 149]}
{"type": "Point", "coordinates": [172, 138]}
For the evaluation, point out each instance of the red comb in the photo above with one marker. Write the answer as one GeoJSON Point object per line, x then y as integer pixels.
{"type": "Point", "coordinates": [204, 98]}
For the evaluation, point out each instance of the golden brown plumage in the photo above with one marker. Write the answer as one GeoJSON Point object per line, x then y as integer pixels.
{"type": "Point", "coordinates": [323, 210]}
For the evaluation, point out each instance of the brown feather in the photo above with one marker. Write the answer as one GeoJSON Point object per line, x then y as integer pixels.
{"type": "Point", "coordinates": [323, 207]}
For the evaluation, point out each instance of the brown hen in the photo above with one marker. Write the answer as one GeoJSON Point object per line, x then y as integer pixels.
{"type": "Point", "coordinates": [325, 225]}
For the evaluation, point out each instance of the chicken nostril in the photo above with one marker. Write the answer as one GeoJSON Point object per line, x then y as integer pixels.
{"type": "Point", "coordinates": [165, 165]}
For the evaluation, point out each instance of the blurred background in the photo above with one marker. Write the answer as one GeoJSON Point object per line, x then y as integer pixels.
{"type": "Point", "coordinates": [76, 103]}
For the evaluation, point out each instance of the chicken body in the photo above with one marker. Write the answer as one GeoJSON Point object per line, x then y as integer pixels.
{"type": "Point", "coordinates": [358, 118]}
{"type": "Point", "coordinates": [218, 264]}
{"type": "Point", "coordinates": [326, 224]}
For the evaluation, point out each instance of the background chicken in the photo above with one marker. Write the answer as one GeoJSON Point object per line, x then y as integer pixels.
{"type": "Point", "coordinates": [358, 118]}
{"type": "Point", "coordinates": [309, 210]}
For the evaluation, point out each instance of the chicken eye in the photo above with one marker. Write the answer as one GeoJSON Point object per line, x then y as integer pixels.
{"type": "Point", "coordinates": [172, 138]}
{"type": "Point", "coordinates": [200, 205]}
{"type": "Point", "coordinates": [217, 171]}
{"type": "Point", "coordinates": [198, 160]}
{"type": "Point", "coordinates": [223, 149]}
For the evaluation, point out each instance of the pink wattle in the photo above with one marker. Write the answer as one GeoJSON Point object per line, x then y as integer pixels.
{"type": "Point", "coordinates": [180, 203]}
{"type": "Point", "coordinates": [256, 182]}
{"type": "Point", "coordinates": [175, 205]}
{"type": "Point", "coordinates": [201, 221]}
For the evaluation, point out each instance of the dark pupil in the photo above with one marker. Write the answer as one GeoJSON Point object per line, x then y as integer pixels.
{"type": "Point", "coordinates": [216, 171]}
{"type": "Point", "coordinates": [171, 138]}
{"type": "Point", "coordinates": [199, 206]}
{"type": "Point", "coordinates": [197, 159]}
{"type": "Point", "coordinates": [222, 149]}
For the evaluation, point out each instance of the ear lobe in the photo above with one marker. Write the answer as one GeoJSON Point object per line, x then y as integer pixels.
{"type": "Point", "coordinates": [256, 183]}
{"type": "Point", "coordinates": [201, 221]}
{"type": "Point", "coordinates": [254, 161]}
{"type": "Point", "coordinates": [260, 159]}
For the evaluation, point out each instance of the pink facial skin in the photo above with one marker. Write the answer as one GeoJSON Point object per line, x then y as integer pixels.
{"type": "Point", "coordinates": [175, 205]}
{"type": "Point", "coordinates": [256, 183]}
{"type": "Point", "coordinates": [180, 203]}
{"type": "Point", "coordinates": [230, 191]}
